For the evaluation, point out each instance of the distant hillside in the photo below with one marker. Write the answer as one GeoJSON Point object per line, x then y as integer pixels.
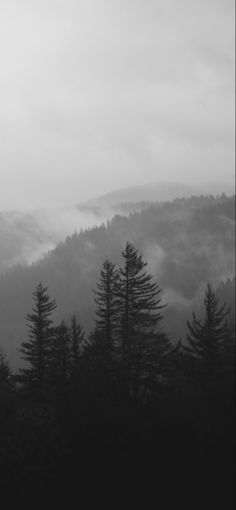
{"type": "Point", "coordinates": [186, 243]}
{"type": "Point", "coordinates": [27, 236]}
{"type": "Point", "coordinates": [159, 192]}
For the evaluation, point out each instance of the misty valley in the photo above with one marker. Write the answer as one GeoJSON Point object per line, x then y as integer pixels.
{"type": "Point", "coordinates": [117, 254]}
{"type": "Point", "coordinates": [117, 346]}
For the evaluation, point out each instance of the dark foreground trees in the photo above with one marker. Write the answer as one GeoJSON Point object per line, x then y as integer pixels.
{"type": "Point", "coordinates": [128, 347]}
{"type": "Point", "coordinates": [89, 425]}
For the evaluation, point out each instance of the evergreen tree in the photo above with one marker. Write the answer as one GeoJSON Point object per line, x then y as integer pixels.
{"type": "Point", "coordinates": [209, 342]}
{"type": "Point", "coordinates": [37, 350]}
{"type": "Point", "coordinates": [140, 294]}
{"type": "Point", "coordinates": [107, 312]}
{"type": "Point", "coordinates": [141, 313]}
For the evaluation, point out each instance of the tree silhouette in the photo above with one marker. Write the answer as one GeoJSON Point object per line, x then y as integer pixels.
{"type": "Point", "coordinates": [37, 350]}
{"type": "Point", "coordinates": [107, 311]}
{"type": "Point", "coordinates": [209, 343]}
{"type": "Point", "coordinates": [140, 314]}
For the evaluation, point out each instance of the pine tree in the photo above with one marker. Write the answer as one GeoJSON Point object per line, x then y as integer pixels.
{"type": "Point", "coordinates": [141, 313]}
{"type": "Point", "coordinates": [107, 312]}
{"type": "Point", "coordinates": [209, 341]}
{"type": "Point", "coordinates": [141, 295]}
{"type": "Point", "coordinates": [37, 350]}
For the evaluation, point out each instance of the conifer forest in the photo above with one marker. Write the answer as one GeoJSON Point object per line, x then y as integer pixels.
{"type": "Point", "coordinates": [120, 402]}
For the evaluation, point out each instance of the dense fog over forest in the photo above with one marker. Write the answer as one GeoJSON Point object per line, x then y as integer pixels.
{"type": "Point", "coordinates": [117, 253]}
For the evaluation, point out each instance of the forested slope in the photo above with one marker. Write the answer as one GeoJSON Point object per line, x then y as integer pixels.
{"type": "Point", "coordinates": [186, 243]}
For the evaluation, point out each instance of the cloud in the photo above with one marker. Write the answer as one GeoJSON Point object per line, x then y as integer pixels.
{"type": "Point", "coordinates": [97, 95]}
{"type": "Point", "coordinates": [27, 237]}
{"type": "Point", "coordinates": [154, 255]}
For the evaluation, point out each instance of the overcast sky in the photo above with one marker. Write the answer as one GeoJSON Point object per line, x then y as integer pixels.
{"type": "Point", "coordinates": [99, 94]}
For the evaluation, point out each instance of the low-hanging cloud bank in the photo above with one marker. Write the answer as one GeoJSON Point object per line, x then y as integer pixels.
{"type": "Point", "coordinates": [26, 237]}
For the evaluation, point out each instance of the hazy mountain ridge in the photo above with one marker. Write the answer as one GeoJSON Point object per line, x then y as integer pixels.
{"type": "Point", "coordinates": [158, 192]}
{"type": "Point", "coordinates": [186, 242]}
{"type": "Point", "coordinates": [27, 236]}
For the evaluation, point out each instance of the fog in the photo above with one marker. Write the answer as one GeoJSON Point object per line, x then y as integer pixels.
{"type": "Point", "coordinates": [98, 95]}
{"type": "Point", "coordinates": [27, 236]}
{"type": "Point", "coordinates": [56, 224]}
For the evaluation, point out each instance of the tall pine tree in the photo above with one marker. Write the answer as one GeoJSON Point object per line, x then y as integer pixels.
{"type": "Point", "coordinates": [141, 313]}
{"type": "Point", "coordinates": [107, 311]}
{"type": "Point", "coordinates": [37, 350]}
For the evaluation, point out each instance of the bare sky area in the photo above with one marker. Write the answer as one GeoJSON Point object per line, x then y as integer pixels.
{"type": "Point", "coordinates": [100, 94]}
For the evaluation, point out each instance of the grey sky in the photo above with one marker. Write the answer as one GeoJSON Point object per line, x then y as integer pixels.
{"type": "Point", "coordinates": [97, 94]}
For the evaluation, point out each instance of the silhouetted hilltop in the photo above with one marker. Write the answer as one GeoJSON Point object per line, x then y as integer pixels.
{"type": "Point", "coordinates": [186, 243]}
